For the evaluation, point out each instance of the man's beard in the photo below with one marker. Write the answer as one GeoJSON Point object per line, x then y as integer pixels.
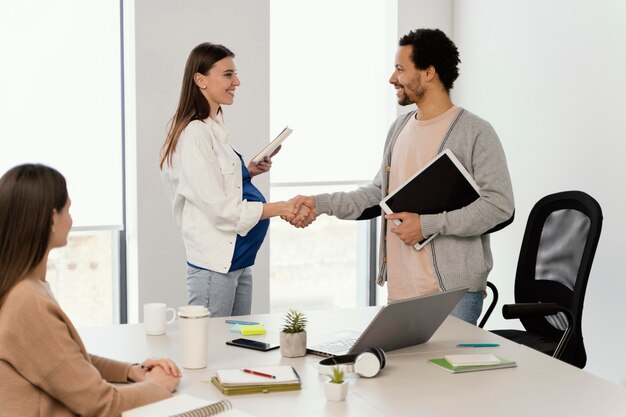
{"type": "Point", "coordinates": [412, 93]}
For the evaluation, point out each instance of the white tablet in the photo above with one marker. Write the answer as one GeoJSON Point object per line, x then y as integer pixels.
{"type": "Point", "coordinates": [273, 145]}
{"type": "Point", "coordinates": [442, 185]}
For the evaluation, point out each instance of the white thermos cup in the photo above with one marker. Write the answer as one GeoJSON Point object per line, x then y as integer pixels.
{"type": "Point", "coordinates": [193, 326]}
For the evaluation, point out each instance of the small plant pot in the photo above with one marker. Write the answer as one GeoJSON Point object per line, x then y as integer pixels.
{"type": "Point", "coordinates": [336, 392]}
{"type": "Point", "coordinates": [292, 345]}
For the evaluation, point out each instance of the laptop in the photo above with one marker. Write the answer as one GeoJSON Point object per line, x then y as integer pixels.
{"type": "Point", "coordinates": [397, 325]}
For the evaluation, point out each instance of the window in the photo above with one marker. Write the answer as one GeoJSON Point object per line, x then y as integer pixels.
{"type": "Point", "coordinates": [60, 105]}
{"type": "Point", "coordinates": [83, 277]}
{"type": "Point", "coordinates": [328, 78]}
{"type": "Point", "coordinates": [321, 266]}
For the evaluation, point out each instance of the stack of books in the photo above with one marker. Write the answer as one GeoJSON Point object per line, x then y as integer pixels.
{"type": "Point", "coordinates": [257, 379]}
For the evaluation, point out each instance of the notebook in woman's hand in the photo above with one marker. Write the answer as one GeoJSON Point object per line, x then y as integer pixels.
{"type": "Point", "coordinates": [272, 146]}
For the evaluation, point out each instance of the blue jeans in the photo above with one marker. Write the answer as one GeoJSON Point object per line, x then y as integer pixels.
{"type": "Point", "coordinates": [227, 294]}
{"type": "Point", "coordinates": [470, 307]}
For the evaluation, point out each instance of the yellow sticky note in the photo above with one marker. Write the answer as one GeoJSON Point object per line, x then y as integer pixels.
{"type": "Point", "coordinates": [247, 330]}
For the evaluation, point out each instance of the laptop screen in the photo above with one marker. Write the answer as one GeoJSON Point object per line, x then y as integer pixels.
{"type": "Point", "coordinates": [397, 325]}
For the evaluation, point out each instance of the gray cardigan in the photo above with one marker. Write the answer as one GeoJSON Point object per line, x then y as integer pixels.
{"type": "Point", "coordinates": [461, 251]}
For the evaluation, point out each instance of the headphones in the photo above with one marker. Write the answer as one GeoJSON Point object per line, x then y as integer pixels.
{"type": "Point", "coordinates": [366, 364]}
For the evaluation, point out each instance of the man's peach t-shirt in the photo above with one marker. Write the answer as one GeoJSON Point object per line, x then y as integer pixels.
{"type": "Point", "coordinates": [410, 272]}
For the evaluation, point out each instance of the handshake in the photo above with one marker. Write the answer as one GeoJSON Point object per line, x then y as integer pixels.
{"type": "Point", "coordinates": [299, 211]}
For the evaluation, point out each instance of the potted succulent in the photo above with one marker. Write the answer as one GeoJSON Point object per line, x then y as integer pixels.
{"type": "Point", "coordinates": [336, 388]}
{"type": "Point", "coordinates": [293, 335]}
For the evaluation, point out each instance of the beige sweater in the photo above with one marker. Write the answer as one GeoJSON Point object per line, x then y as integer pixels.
{"type": "Point", "coordinates": [45, 369]}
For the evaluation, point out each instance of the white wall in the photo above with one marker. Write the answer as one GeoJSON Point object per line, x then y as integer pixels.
{"type": "Point", "coordinates": [549, 76]}
{"type": "Point", "coordinates": [165, 33]}
{"type": "Point", "coordinates": [416, 14]}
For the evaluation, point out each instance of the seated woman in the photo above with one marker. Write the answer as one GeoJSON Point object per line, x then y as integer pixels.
{"type": "Point", "coordinates": [44, 367]}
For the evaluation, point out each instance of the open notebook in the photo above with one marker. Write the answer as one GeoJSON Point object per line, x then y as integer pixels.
{"type": "Point", "coordinates": [280, 374]}
{"type": "Point", "coordinates": [184, 405]}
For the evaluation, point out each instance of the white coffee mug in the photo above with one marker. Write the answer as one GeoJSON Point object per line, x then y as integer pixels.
{"type": "Point", "coordinates": [193, 326]}
{"type": "Point", "coordinates": [155, 318]}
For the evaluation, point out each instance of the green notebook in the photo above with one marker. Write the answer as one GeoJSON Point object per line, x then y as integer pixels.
{"type": "Point", "coordinates": [252, 389]}
{"type": "Point", "coordinates": [443, 363]}
{"type": "Point", "coordinates": [247, 381]}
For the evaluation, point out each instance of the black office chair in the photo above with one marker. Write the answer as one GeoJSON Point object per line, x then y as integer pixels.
{"type": "Point", "coordinates": [492, 305]}
{"type": "Point", "coordinates": [557, 251]}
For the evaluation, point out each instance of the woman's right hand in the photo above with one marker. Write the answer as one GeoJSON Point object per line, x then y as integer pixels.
{"type": "Point", "coordinates": [278, 208]}
{"type": "Point", "coordinates": [159, 376]}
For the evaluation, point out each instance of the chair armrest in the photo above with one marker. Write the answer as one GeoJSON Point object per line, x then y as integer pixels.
{"type": "Point", "coordinates": [494, 301]}
{"type": "Point", "coordinates": [521, 310]}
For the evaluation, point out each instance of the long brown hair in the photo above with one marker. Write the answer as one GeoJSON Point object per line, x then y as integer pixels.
{"type": "Point", "coordinates": [192, 105]}
{"type": "Point", "coordinates": [28, 195]}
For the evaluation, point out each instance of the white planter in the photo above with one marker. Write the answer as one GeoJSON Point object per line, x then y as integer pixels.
{"type": "Point", "coordinates": [292, 345]}
{"type": "Point", "coordinates": [336, 392]}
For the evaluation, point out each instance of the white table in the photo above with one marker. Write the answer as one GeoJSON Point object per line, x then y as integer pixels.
{"type": "Point", "coordinates": [408, 386]}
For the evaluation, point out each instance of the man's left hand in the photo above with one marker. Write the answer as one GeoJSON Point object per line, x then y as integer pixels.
{"type": "Point", "coordinates": [410, 230]}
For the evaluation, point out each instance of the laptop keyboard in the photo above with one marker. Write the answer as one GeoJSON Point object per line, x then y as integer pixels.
{"type": "Point", "coordinates": [335, 347]}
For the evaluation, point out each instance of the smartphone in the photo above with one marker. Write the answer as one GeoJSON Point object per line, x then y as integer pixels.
{"type": "Point", "coordinates": [252, 344]}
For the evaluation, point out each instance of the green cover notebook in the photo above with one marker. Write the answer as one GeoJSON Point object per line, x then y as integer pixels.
{"type": "Point", "coordinates": [252, 389]}
{"type": "Point", "coordinates": [443, 363]}
{"type": "Point", "coordinates": [237, 381]}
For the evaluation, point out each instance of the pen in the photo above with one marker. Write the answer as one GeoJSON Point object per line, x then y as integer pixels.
{"type": "Point", "coordinates": [245, 323]}
{"type": "Point", "coordinates": [250, 371]}
{"type": "Point", "coordinates": [478, 345]}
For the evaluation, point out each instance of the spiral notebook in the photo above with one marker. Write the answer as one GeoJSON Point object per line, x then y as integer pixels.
{"type": "Point", "coordinates": [184, 405]}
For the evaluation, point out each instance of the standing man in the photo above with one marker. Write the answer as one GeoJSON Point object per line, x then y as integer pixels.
{"type": "Point", "coordinates": [426, 66]}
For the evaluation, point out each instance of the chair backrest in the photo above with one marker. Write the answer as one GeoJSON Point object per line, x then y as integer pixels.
{"type": "Point", "coordinates": [555, 259]}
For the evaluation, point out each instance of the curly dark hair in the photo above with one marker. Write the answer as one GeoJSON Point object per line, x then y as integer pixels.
{"type": "Point", "coordinates": [433, 47]}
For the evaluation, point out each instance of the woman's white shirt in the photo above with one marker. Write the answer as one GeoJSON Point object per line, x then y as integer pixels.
{"type": "Point", "coordinates": [204, 185]}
